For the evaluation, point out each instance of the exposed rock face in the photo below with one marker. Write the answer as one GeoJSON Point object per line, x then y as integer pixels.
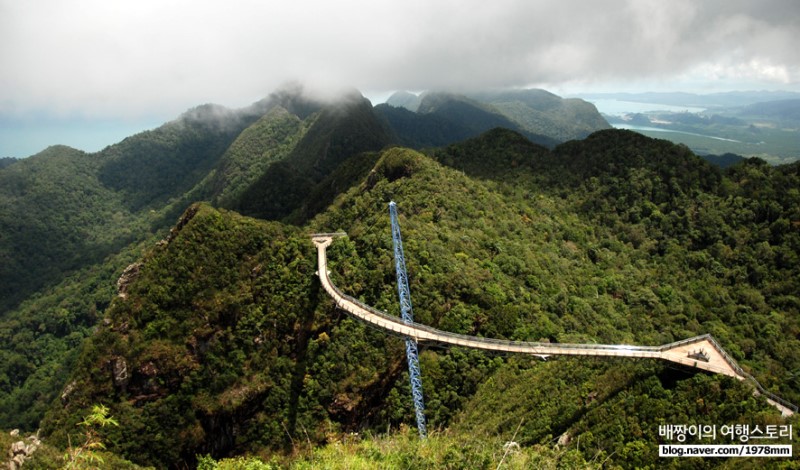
{"type": "Point", "coordinates": [119, 367]}
{"type": "Point", "coordinates": [67, 392]}
{"type": "Point", "coordinates": [128, 276]}
{"type": "Point", "coordinates": [20, 451]}
{"type": "Point", "coordinates": [184, 219]}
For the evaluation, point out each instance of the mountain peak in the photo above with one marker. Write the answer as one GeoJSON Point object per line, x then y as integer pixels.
{"type": "Point", "coordinates": [404, 99]}
{"type": "Point", "coordinates": [303, 101]}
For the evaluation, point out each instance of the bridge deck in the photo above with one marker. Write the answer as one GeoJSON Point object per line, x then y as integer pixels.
{"type": "Point", "coordinates": [700, 352]}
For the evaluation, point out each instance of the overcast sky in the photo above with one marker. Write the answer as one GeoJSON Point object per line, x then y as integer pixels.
{"type": "Point", "coordinates": [81, 63]}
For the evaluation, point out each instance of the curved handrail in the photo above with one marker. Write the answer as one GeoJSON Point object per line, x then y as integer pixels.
{"type": "Point", "coordinates": [422, 332]}
{"type": "Point", "coordinates": [750, 378]}
{"type": "Point", "coordinates": [489, 341]}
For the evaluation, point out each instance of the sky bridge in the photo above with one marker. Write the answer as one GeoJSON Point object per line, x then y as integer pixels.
{"type": "Point", "coordinates": [699, 352]}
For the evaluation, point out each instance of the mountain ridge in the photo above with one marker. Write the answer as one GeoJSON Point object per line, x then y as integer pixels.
{"type": "Point", "coordinates": [470, 274]}
{"type": "Point", "coordinates": [542, 116]}
{"type": "Point", "coordinates": [229, 348]}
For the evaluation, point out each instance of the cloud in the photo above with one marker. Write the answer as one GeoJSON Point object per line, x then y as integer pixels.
{"type": "Point", "coordinates": [101, 58]}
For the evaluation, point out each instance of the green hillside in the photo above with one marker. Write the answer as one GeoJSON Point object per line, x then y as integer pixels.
{"type": "Point", "coordinates": [434, 119]}
{"type": "Point", "coordinates": [41, 339]}
{"type": "Point", "coordinates": [63, 209]}
{"type": "Point", "coordinates": [212, 339]}
{"type": "Point", "coordinates": [228, 345]}
{"type": "Point", "coordinates": [267, 141]}
{"type": "Point", "coordinates": [542, 112]}
{"type": "Point", "coordinates": [338, 131]}
{"type": "Point", "coordinates": [422, 130]}
{"type": "Point", "coordinates": [152, 167]}
{"type": "Point", "coordinates": [71, 222]}
{"type": "Point", "coordinates": [56, 216]}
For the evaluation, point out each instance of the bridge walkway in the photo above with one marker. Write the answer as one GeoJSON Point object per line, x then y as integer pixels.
{"type": "Point", "coordinates": [699, 352]}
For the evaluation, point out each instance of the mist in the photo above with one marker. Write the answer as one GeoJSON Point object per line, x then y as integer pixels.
{"type": "Point", "coordinates": [97, 60]}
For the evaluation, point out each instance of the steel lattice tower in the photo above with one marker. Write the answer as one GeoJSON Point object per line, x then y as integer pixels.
{"type": "Point", "coordinates": [408, 317]}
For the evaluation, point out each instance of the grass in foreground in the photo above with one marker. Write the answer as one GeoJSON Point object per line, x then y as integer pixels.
{"type": "Point", "coordinates": [405, 450]}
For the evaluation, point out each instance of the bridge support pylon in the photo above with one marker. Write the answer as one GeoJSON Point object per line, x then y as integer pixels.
{"type": "Point", "coordinates": [408, 318]}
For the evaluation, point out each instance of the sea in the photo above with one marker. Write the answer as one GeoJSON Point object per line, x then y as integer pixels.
{"type": "Point", "coordinates": [621, 108]}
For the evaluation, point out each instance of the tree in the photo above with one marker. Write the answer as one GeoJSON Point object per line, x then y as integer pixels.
{"type": "Point", "coordinates": [86, 455]}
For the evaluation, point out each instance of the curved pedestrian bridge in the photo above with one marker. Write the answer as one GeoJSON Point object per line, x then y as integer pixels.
{"type": "Point", "coordinates": [700, 352]}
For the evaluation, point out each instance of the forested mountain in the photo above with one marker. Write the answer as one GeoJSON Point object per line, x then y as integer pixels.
{"type": "Point", "coordinates": [438, 118]}
{"type": "Point", "coordinates": [209, 153]}
{"type": "Point", "coordinates": [542, 112]}
{"type": "Point", "coordinates": [445, 118]}
{"type": "Point", "coordinates": [56, 216]}
{"type": "Point", "coordinates": [783, 111]}
{"type": "Point", "coordinates": [725, 160]}
{"type": "Point", "coordinates": [219, 341]}
{"type": "Point", "coordinates": [71, 222]}
{"type": "Point", "coordinates": [520, 254]}
{"type": "Point", "coordinates": [63, 209]}
{"type": "Point", "coordinates": [153, 167]}
{"type": "Point", "coordinates": [340, 130]}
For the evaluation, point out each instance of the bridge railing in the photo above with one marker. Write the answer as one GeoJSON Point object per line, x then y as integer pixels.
{"type": "Point", "coordinates": [675, 344]}
{"type": "Point", "coordinates": [500, 342]}
{"type": "Point", "coordinates": [600, 347]}
{"type": "Point", "coordinates": [752, 379]}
